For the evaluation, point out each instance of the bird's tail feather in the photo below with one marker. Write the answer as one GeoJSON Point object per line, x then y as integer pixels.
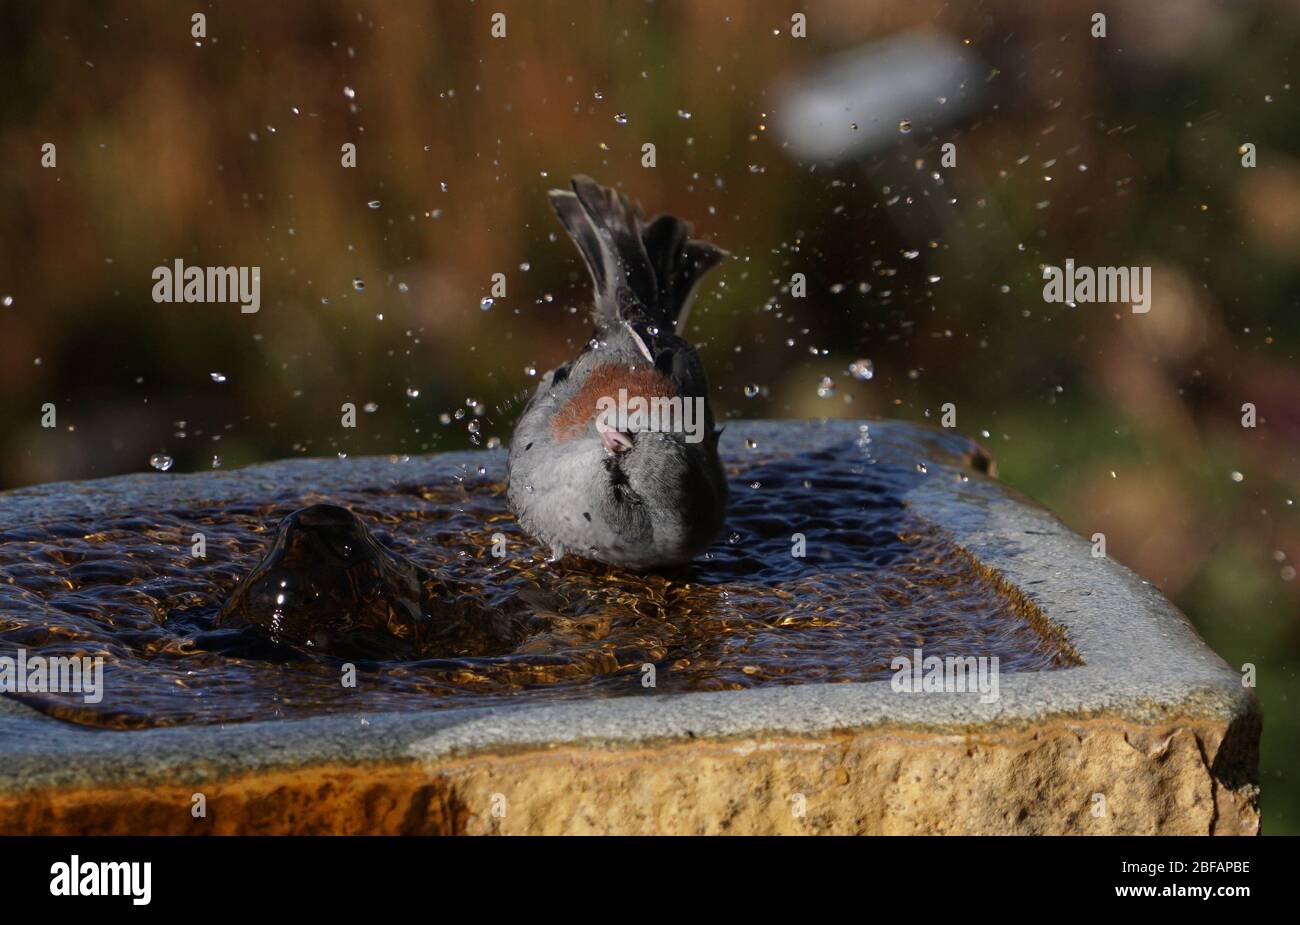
{"type": "Point", "coordinates": [640, 272]}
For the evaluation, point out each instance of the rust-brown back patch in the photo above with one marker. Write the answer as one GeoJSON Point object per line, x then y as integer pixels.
{"type": "Point", "coordinates": [605, 380]}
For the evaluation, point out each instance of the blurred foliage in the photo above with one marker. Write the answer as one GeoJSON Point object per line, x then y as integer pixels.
{"type": "Point", "coordinates": [1122, 151]}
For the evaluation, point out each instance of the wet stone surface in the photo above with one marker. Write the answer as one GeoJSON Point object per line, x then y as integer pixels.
{"type": "Point", "coordinates": [397, 577]}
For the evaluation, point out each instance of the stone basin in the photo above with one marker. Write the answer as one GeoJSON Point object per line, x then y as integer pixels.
{"type": "Point", "coordinates": [774, 706]}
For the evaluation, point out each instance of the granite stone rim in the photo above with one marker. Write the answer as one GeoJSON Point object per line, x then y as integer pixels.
{"type": "Point", "coordinates": [1144, 663]}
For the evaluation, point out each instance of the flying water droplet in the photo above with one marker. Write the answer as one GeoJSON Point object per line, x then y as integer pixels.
{"type": "Point", "coordinates": [161, 461]}
{"type": "Point", "coordinates": [862, 370]}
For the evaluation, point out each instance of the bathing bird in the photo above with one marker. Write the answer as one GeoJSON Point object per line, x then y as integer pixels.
{"type": "Point", "coordinates": [615, 457]}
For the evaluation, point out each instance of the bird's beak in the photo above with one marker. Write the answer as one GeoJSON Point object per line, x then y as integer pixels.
{"type": "Point", "coordinates": [615, 441]}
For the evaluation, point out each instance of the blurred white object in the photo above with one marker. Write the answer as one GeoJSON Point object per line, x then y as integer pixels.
{"type": "Point", "coordinates": [862, 100]}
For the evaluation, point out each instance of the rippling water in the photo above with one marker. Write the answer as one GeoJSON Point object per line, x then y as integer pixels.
{"type": "Point", "coordinates": [105, 568]}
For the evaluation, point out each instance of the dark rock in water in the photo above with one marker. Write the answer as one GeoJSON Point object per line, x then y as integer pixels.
{"type": "Point", "coordinates": [327, 584]}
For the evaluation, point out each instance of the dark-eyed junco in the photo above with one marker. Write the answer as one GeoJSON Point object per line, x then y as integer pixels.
{"type": "Point", "coordinates": [615, 457]}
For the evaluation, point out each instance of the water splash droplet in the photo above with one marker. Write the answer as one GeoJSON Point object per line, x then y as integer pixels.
{"type": "Point", "coordinates": [862, 370]}
{"type": "Point", "coordinates": [161, 461]}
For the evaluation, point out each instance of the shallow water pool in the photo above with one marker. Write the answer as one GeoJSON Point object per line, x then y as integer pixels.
{"type": "Point", "coordinates": [106, 568]}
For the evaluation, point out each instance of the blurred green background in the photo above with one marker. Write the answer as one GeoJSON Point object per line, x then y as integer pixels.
{"type": "Point", "coordinates": [225, 150]}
